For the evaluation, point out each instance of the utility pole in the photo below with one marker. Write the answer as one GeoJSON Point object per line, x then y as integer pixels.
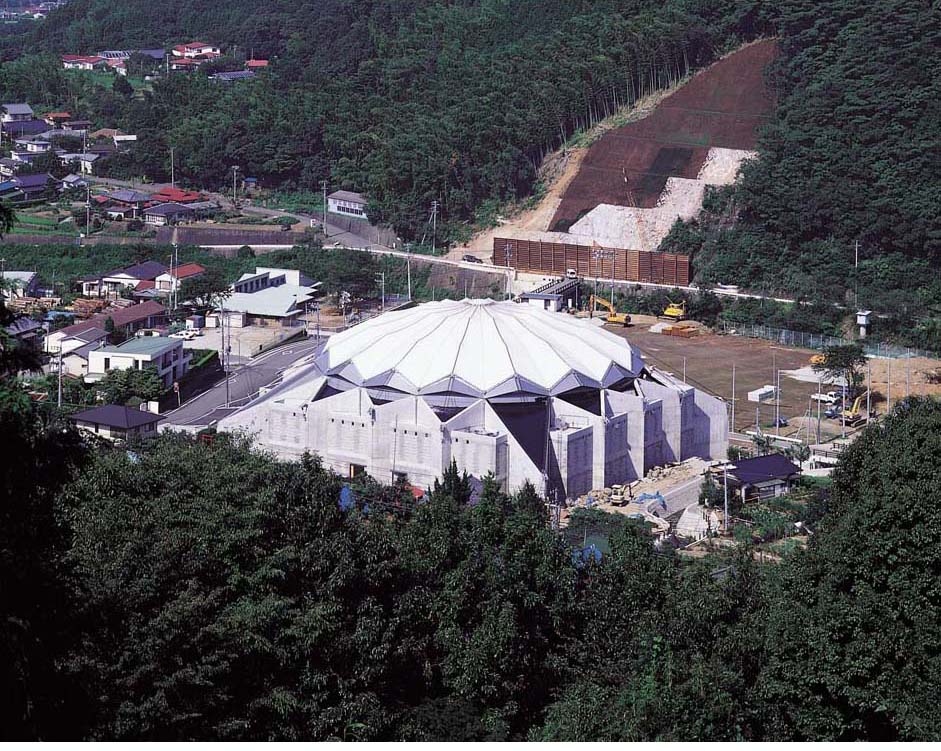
{"type": "Point", "coordinates": [172, 171]}
{"type": "Point", "coordinates": [408, 268]}
{"type": "Point", "coordinates": [725, 493]}
{"type": "Point", "coordinates": [59, 401]}
{"type": "Point", "coordinates": [323, 187]}
{"type": "Point", "coordinates": [87, 209]}
{"type": "Point", "coordinates": [856, 277]}
{"type": "Point", "coordinates": [843, 412]}
{"type": "Point", "coordinates": [888, 384]}
{"type": "Point", "coordinates": [434, 227]}
{"type": "Point", "coordinates": [868, 391]}
{"type": "Point", "coordinates": [819, 385]}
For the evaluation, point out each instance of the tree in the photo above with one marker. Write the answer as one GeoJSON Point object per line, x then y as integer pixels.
{"type": "Point", "coordinates": [844, 362]}
{"type": "Point", "coordinates": [454, 484]}
{"type": "Point", "coordinates": [122, 87]}
{"type": "Point", "coordinates": [205, 290]}
{"type": "Point", "coordinates": [855, 620]}
{"type": "Point", "coordinates": [121, 386]}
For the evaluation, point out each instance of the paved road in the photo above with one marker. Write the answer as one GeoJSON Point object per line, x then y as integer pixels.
{"type": "Point", "coordinates": [243, 382]}
{"type": "Point", "coordinates": [681, 496]}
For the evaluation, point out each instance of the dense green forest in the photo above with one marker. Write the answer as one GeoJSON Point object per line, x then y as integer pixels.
{"type": "Point", "coordinates": [852, 154]}
{"type": "Point", "coordinates": [185, 590]}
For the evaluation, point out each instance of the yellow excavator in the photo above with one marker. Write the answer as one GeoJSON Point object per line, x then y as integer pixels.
{"type": "Point", "coordinates": [854, 416]}
{"type": "Point", "coordinates": [675, 311]}
{"type": "Point", "coordinates": [818, 360]}
{"type": "Point", "coordinates": [613, 316]}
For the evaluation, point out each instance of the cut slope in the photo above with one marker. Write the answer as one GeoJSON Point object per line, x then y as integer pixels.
{"type": "Point", "coordinates": [720, 108]}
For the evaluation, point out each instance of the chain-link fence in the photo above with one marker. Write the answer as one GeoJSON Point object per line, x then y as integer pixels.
{"type": "Point", "coordinates": [820, 341]}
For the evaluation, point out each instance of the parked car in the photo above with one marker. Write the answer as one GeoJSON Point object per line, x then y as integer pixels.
{"type": "Point", "coordinates": [186, 334]}
{"type": "Point", "coordinates": [781, 422]}
{"type": "Point", "coordinates": [470, 259]}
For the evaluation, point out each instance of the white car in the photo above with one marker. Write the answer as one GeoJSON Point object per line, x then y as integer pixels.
{"type": "Point", "coordinates": [185, 334]}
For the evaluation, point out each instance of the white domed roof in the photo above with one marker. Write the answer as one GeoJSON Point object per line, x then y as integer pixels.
{"type": "Point", "coordinates": [479, 348]}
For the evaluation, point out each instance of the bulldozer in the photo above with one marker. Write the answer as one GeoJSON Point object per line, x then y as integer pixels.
{"type": "Point", "coordinates": [675, 311]}
{"type": "Point", "coordinates": [818, 360]}
{"type": "Point", "coordinates": [624, 319]}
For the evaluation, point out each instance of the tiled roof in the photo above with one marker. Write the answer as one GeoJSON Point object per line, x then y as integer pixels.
{"type": "Point", "coordinates": [116, 416]}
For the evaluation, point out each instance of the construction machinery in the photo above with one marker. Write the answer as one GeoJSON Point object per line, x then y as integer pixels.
{"type": "Point", "coordinates": [854, 416]}
{"type": "Point", "coordinates": [674, 311]}
{"type": "Point", "coordinates": [613, 316]}
{"type": "Point", "coordinates": [818, 360]}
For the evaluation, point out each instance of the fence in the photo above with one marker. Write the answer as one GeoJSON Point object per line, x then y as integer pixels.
{"type": "Point", "coordinates": [821, 341]}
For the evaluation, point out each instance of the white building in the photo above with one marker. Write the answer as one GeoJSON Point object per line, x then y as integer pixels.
{"type": "Point", "coordinates": [496, 386]}
{"type": "Point", "coordinates": [348, 203]}
{"type": "Point", "coordinates": [268, 297]}
{"type": "Point", "coordinates": [165, 355]}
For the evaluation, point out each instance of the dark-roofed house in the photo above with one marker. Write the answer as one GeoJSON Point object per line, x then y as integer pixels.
{"type": "Point", "coordinates": [26, 331]}
{"type": "Point", "coordinates": [72, 337]}
{"type": "Point", "coordinates": [117, 423]}
{"type": "Point", "coordinates": [34, 186]}
{"type": "Point", "coordinates": [167, 213]}
{"type": "Point", "coordinates": [145, 315]}
{"type": "Point", "coordinates": [16, 112]}
{"type": "Point", "coordinates": [18, 128]}
{"type": "Point", "coordinates": [115, 282]}
{"type": "Point", "coordinates": [762, 476]}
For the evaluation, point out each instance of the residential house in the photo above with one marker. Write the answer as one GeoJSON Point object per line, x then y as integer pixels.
{"type": "Point", "coordinates": [269, 297]}
{"type": "Point", "coordinates": [73, 182]}
{"type": "Point", "coordinates": [195, 50]}
{"type": "Point", "coordinates": [165, 355]}
{"type": "Point", "coordinates": [85, 161]}
{"type": "Point", "coordinates": [80, 125]}
{"type": "Point", "coordinates": [125, 201]}
{"type": "Point", "coordinates": [72, 337]}
{"type": "Point", "coordinates": [170, 194]}
{"type": "Point", "coordinates": [117, 281]}
{"type": "Point", "coordinates": [19, 284]}
{"type": "Point", "coordinates": [26, 331]}
{"type": "Point", "coordinates": [256, 64]}
{"type": "Point", "coordinates": [167, 213]}
{"type": "Point", "coordinates": [18, 128]}
{"type": "Point", "coordinates": [9, 166]}
{"type": "Point", "coordinates": [172, 280]}
{"type": "Point", "coordinates": [15, 112]}
{"type": "Point", "coordinates": [115, 54]}
{"type": "Point", "coordinates": [83, 62]}
{"type": "Point", "coordinates": [761, 477]}
{"type": "Point", "coordinates": [348, 203]}
{"type": "Point", "coordinates": [55, 119]}
{"type": "Point", "coordinates": [145, 315]}
{"type": "Point", "coordinates": [117, 423]}
{"type": "Point", "coordinates": [27, 187]}
{"type": "Point", "coordinates": [28, 148]}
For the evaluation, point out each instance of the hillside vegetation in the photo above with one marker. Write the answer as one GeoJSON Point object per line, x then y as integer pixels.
{"type": "Point", "coordinates": [852, 154]}
{"type": "Point", "coordinates": [410, 102]}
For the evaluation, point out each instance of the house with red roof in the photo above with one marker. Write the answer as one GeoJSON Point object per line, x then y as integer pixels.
{"type": "Point", "coordinates": [253, 64]}
{"type": "Point", "coordinates": [174, 278]}
{"type": "Point", "coordinates": [171, 194]}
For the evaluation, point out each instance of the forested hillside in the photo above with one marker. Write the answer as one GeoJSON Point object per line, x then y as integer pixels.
{"type": "Point", "coordinates": [410, 102]}
{"type": "Point", "coordinates": [853, 154]}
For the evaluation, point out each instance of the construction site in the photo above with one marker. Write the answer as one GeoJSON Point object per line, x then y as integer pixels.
{"type": "Point", "coordinates": [609, 206]}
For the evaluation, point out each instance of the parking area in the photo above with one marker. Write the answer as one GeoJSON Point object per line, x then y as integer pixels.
{"type": "Point", "coordinates": [245, 341]}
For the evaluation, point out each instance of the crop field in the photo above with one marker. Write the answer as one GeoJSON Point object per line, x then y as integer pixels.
{"type": "Point", "coordinates": [722, 107]}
